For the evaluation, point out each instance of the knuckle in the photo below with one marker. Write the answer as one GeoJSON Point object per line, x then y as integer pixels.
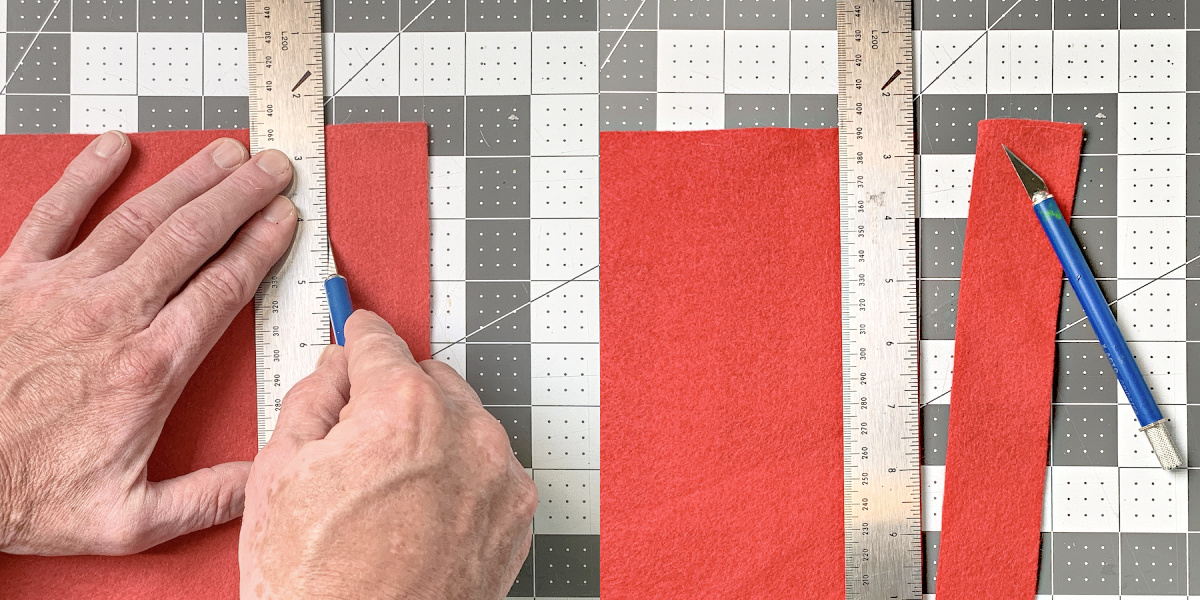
{"type": "Point", "coordinates": [249, 181]}
{"type": "Point", "coordinates": [134, 220]}
{"type": "Point", "coordinates": [211, 504]}
{"type": "Point", "coordinates": [94, 314]}
{"type": "Point", "coordinates": [193, 234]}
{"type": "Point", "coordinates": [224, 285]}
{"type": "Point", "coordinates": [187, 181]}
{"type": "Point", "coordinates": [199, 173]}
{"type": "Point", "coordinates": [441, 369]}
{"type": "Point", "coordinates": [376, 342]}
{"type": "Point", "coordinates": [82, 175]}
{"type": "Point", "coordinates": [143, 369]}
{"type": "Point", "coordinates": [493, 434]}
{"type": "Point", "coordinates": [306, 386]}
{"type": "Point", "coordinates": [492, 440]}
{"type": "Point", "coordinates": [51, 211]}
{"type": "Point", "coordinates": [257, 244]}
{"type": "Point", "coordinates": [526, 493]}
{"type": "Point", "coordinates": [417, 388]}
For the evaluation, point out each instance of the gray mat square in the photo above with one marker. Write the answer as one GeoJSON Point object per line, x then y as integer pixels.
{"type": "Point", "coordinates": [756, 14]}
{"type": "Point", "coordinates": [814, 111]}
{"type": "Point", "coordinates": [171, 15]}
{"type": "Point", "coordinates": [497, 125]}
{"type": "Point", "coordinates": [1086, 563]}
{"type": "Point", "coordinates": [1154, 563]}
{"type": "Point", "coordinates": [1084, 436]}
{"type": "Point", "coordinates": [488, 301]}
{"type": "Point", "coordinates": [567, 565]}
{"type": "Point", "coordinates": [29, 15]}
{"type": "Point", "coordinates": [226, 112]}
{"type": "Point", "coordinates": [46, 68]}
{"type": "Point", "coordinates": [1097, 113]}
{"type": "Point", "coordinates": [756, 110]}
{"type": "Point", "coordinates": [1086, 14]}
{"type": "Point", "coordinates": [564, 15]}
{"type": "Point", "coordinates": [498, 187]}
{"type": "Point", "coordinates": [103, 15]}
{"type": "Point", "coordinates": [170, 112]}
{"type": "Point", "coordinates": [1083, 374]}
{"type": "Point", "coordinates": [38, 114]}
{"type": "Point", "coordinates": [628, 63]}
{"type": "Point", "coordinates": [226, 15]}
{"type": "Point", "coordinates": [446, 118]}
{"type": "Point", "coordinates": [628, 112]}
{"type": "Point", "coordinates": [517, 421]}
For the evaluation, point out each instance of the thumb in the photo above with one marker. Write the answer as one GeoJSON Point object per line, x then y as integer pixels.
{"type": "Point", "coordinates": [190, 503]}
{"type": "Point", "coordinates": [310, 409]}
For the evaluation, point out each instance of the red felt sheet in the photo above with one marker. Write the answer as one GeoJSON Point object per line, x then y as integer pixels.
{"type": "Point", "coordinates": [720, 365]}
{"type": "Point", "coordinates": [378, 219]}
{"type": "Point", "coordinates": [1003, 367]}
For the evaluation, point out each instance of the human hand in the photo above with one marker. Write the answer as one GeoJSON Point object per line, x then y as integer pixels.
{"type": "Point", "coordinates": [97, 343]}
{"type": "Point", "coordinates": [384, 479]}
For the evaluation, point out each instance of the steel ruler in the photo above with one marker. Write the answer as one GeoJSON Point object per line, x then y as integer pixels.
{"type": "Point", "coordinates": [287, 113]}
{"type": "Point", "coordinates": [879, 300]}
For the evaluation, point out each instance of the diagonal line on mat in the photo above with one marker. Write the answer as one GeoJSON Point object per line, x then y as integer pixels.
{"type": "Point", "coordinates": [385, 46]}
{"type": "Point", "coordinates": [21, 61]}
{"type": "Point", "coordinates": [514, 311]}
{"type": "Point", "coordinates": [1121, 297]}
{"type": "Point", "coordinates": [964, 52]}
{"type": "Point", "coordinates": [622, 36]}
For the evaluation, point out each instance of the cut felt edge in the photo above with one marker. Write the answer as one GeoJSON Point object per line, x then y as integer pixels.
{"type": "Point", "coordinates": [1003, 366]}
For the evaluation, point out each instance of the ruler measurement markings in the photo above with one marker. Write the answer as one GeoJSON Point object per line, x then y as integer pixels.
{"type": "Point", "coordinates": [286, 112]}
{"type": "Point", "coordinates": [880, 415]}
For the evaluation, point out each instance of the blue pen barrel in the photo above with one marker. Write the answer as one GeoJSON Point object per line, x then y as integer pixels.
{"type": "Point", "coordinates": [1096, 307]}
{"type": "Point", "coordinates": [340, 306]}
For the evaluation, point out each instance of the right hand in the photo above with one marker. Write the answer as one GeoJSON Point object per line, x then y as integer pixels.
{"type": "Point", "coordinates": [384, 478]}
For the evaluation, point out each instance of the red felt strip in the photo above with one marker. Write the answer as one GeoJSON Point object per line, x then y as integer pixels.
{"type": "Point", "coordinates": [378, 218]}
{"type": "Point", "coordinates": [721, 365]}
{"type": "Point", "coordinates": [1003, 366]}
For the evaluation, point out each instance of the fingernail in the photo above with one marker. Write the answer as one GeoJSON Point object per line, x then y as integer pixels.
{"type": "Point", "coordinates": [325, 355]}
{"type": "Point", "coordinates": [273, 162]}
{"type": "Point", "coordinates": [109, 143]}
{"type": "Point", "coordinates": [279, 209]}
{"type": "Point", "coordinates": [229, 154]}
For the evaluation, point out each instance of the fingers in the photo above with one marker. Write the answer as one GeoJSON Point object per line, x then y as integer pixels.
{"type": "Point", "coordinates": [55, 218]}
{"type": "Point", "coordinates": [383, 373]}
{"type": "Point", "coordinates": [190, 503]}
{"type": "Point", "coordinates": [123, 231]}
{"type": "Point", "coordinates": [200, 228]}
{"type": "Point", "coordinates": [200, 313]}
{"type": "Point", "coordinates": [375, 354]}
{"type": "Point", "coordinates": [310, 409]}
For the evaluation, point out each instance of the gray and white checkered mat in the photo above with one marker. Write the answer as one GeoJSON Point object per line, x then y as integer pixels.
{"type": "Point", "coordinates": [516, 91]}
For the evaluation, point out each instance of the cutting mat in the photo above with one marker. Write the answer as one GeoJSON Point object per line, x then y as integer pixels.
{"type": "Point", "coordinates": [515, 92]}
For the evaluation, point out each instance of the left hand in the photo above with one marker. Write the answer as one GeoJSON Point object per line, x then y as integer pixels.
{"type": "Point", "coordinates": [96, 344]}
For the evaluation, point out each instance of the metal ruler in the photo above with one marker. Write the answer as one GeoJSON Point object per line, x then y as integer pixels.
{"type": "Point", "coordinates": [879, 300]}
{"type": "Point", "coordinates": [287, 113]}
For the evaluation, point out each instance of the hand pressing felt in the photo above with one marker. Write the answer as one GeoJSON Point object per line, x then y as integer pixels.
{"type": "Point", "coordinates": [384, 478]}
{"type": "Point", "coordinates": [97, 342]}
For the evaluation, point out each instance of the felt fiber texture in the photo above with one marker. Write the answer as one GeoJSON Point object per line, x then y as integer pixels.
{"type": "Point", "coordinates": [378, 218]}
{"type": "Point", "coordinates": [721, 434]}
{"type": "Point", "coordinates": [1003, 366]}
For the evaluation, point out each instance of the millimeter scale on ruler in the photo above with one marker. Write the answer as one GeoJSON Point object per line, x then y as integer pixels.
{"type": "Point", "coordinates": [881, 443]}
{"type": "Point", "coordinates": [287, 113]}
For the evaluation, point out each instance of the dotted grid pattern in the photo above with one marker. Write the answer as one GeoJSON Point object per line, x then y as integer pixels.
{"type": "Point", "coordinates": [515, 92]}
